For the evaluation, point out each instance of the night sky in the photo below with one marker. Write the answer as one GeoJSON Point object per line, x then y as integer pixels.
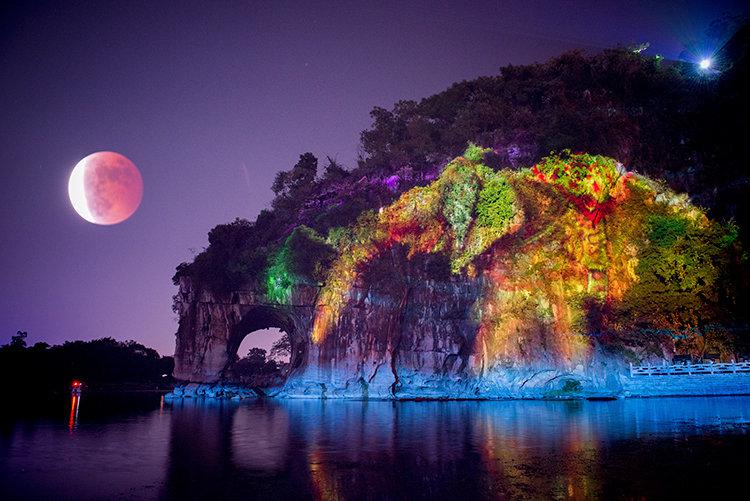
{"type": "Point", "coordinates": [210, 100]}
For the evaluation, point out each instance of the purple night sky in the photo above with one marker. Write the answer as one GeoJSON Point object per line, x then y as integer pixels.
{"type": "Point", "coordinates": [210, 100]}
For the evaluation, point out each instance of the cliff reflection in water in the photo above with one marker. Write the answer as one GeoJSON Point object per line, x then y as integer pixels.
{"type": "Point", "coordinates": [375, 450]}
{"type": "Point", "coordinates": [142, 447]}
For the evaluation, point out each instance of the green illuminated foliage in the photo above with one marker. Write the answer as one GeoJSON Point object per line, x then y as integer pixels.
{"type": "Point", "coordinates": [664, 230]}
{"type": "Point", "coordinates": [304, 258]}
{"type": "Point", "coordinates": [336, 236]}
{"type": "Point", "coordinates": [679, 269]}
{"type": "Point", "coordinates": [279, 279]}
{"type": "Point", "coordinates": [475, 154]}
{"type": "Point", "coordinates": [459, 197]}
{"type": "Point", "coordinates": [730, 235]}
{"type": "Point", "coordinates": [496, 205]}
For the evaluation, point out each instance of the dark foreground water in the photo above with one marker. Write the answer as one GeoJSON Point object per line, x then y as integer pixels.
{"type": "Point", "coordinates": [143, 447]}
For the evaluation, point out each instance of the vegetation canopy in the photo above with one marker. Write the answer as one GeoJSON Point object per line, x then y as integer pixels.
{"type": "Point", "coordinates": [620, 250]}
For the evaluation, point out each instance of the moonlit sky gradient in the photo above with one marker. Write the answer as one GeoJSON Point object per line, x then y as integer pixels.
{"type": "Point", "coordinates": [210, 100]}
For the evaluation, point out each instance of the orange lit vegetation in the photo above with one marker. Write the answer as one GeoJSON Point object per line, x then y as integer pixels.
{"type": "Point", "coordinates": [596, 262]}
{"type": "Point", "coordinates": [574, 248]}
{"type": "Point", "coordinates": [440, 217]}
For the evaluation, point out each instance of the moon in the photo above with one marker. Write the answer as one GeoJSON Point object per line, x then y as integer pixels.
{"type": "Point", "coordinates": [105, 188]}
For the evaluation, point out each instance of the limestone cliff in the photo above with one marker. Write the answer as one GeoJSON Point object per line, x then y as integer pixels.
{"type": "Point", "coordinates": [483, 284]}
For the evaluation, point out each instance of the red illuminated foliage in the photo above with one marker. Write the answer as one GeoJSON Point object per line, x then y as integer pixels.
{"type": "Point", "coordinates": [592, 183]}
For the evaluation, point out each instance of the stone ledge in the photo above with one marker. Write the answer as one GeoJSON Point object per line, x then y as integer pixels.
{"type": "Point", "coordinates": [198, 390]}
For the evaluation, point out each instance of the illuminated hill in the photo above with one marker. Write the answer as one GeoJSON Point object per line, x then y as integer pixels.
{"type": "Point", "coordinates": [481, 280]}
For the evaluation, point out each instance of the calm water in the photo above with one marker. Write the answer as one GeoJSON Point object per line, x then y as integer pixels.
{"type": "Point", "coordinates": [143, 447]}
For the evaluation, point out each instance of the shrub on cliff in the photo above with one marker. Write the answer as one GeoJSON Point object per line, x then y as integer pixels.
{"type": "Point", "coordinates": [303, 258]}
{"type": "Point", "coordinates": [682, 272]}
{"type": "Point", "coordinates": [235, 252]}
{"type": "Point", "coordinates": [495, 207]}
{"type": "Point", "coordinates": [587, 180]}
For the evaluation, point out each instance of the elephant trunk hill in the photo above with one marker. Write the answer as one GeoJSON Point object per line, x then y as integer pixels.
{"type": "Point", "coordinates": [547, 281]}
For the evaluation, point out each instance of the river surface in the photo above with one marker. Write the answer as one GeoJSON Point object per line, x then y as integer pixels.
{"type": "Point", "coordinates": [143, 447]}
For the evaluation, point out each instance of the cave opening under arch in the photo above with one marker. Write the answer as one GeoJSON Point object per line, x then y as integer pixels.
{"type": "Point", "coordinates": [254, 371]}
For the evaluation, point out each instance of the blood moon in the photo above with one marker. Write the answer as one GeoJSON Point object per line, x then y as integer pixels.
{"type": "Point", "coordinates": [105, 188]}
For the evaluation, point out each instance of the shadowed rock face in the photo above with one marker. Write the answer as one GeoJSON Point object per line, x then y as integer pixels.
{"type": "Point", "coordinates": [484, 284]}
{"type": "Point", "coordinates": [388, 338]}
{"type": "Point", "coordinates": [402, 337]}
{"type": "Point", "coordinates": [212, 327]}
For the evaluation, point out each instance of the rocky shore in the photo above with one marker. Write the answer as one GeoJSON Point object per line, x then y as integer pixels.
{"type": "Point", "coordinates": [547, 385]}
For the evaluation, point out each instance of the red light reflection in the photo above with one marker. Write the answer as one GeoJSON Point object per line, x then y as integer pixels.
{"type": "Point", "coordinates": [75, 401]}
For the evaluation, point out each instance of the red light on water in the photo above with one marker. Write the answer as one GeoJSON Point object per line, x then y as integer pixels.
{"type": "Point", "coordinates": [75, 401]}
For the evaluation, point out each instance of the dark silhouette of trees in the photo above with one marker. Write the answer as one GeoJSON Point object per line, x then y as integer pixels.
{"type": "Point", "coordinates": [18, 341]}
{"type": "Point", "coordinates": [281, 349]}
{"type": "Point", "coordinates": [295, 184]}
{"type": "Point", "coordinates": [255, 369]}
{"type": "Point", "coordinates": [98, 363]}
{"type": "Point", "coordinates": [334, 172]}
{"type": "Point", "coordinates": [235, 251]}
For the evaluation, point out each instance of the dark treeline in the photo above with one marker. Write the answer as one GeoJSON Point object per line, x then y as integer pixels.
{"type": "Point", "coordinates": [665, 119]}
{"type": "Point", "coordinates": [256, 369]}
{"type": "Point", "coordinates": [99, 364]}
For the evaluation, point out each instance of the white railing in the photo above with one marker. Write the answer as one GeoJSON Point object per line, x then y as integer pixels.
{"type": "Point", "coordinates": [685, 369]}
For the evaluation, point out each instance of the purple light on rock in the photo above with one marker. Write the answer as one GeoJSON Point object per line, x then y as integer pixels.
{"type": "Point", "coordinates": [392, 182]}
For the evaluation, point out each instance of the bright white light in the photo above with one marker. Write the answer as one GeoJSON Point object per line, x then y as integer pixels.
{"type": "Point", "coordinates": [77, 191]}
{"type": "Point", "coordinates": [705, 63]}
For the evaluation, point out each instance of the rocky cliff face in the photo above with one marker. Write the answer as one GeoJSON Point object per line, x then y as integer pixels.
{"type": "Point", "coordinates": [483, 284]}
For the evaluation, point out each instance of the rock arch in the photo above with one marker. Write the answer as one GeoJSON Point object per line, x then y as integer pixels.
{"type": "Point", "coordinates": [265, 316]}
{"type": "Point", "coordinates": [212, 326]}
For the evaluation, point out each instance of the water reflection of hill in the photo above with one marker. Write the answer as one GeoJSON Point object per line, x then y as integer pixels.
{"type": "Point", "coordinates": [339, 450]}
{"type": "Point", "coordinates": [294, 449]}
